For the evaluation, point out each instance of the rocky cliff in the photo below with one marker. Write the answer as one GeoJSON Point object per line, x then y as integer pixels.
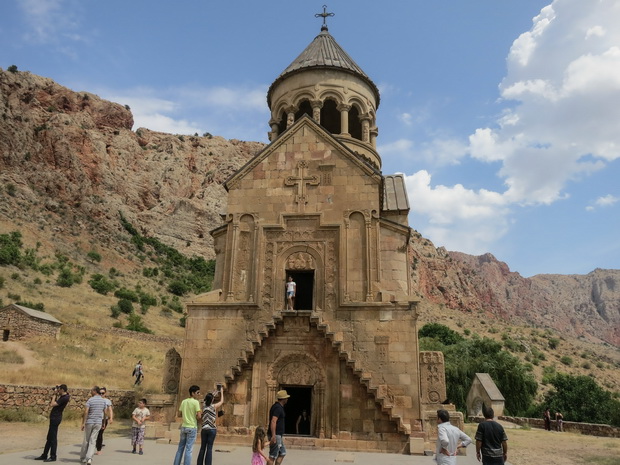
{"type": "Point", "coordinates": [70, 162]}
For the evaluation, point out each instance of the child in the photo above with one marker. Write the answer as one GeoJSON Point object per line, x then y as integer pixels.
{"type": "Point", "coordinates": [258, 458]}
{"type": "Point", "coordinates": [139, 416]}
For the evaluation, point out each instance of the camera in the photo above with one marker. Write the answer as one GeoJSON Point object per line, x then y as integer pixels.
{"type": "Point", "coordinates": [219, 386]}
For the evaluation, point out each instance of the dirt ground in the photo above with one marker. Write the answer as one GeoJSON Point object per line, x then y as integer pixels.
{"type": "Point", "coordinates": [526, 447]}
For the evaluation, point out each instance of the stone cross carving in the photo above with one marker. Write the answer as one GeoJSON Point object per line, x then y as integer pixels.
{"type": "Point", "coordinates": [300, 181]}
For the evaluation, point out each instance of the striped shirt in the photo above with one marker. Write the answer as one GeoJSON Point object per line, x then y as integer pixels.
{"type": "Point", "coordinates": [208, 418]}
{"type": "Point", "coordinates": [96, 407]}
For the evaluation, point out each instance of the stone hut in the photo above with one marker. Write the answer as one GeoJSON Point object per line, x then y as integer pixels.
{"type": "Point", "coordinates": [315, 206]}
{"type": "Point", "coordinates": [18, 323]}
{"type": "Point", "coordinates": [484, 391]}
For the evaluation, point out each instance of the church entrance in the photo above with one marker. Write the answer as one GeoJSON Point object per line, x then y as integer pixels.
{"type": "Point", "coordinates": [300, 400]}
{"type": "Point", "coordinates": [305, 288]}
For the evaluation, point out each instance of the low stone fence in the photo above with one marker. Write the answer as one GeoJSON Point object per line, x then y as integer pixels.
{"type": "Point", "coordinates": [173, 341]}
{"type": "Point", "coordinates": [38, 398]}
{"type": "Point", "coordinates": [590, 429]}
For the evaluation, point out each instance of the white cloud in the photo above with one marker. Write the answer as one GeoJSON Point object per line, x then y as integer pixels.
{"type": "Point", "coordinates": [459, 218]}
{"type": "Point", "coordinates": [605, 201]}
{"type": "Point", "coordinates": [50, 20]}
{"type": "Point", "coordinates": [560, 122]}
{"type": "Point", "coordinates": [439, 151]}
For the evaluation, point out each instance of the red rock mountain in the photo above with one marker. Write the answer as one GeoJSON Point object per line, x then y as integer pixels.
{"type": "Point", "coordinates": [70, 162]}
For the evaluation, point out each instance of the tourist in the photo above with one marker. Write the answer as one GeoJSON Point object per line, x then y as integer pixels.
{"type": "Point", "coordinates": [139, 417]}
{"type": "Point", "coordinates": [92, 420]}
{"type": "Point", "coordinates": [258, 457]}
{"type": "Point", "coordinates": [190, 412]}
{"type": "Point", "coordinates": [291, 290]}
{"type": "Point", "coordinates": [209, 428]}
{"type": "Point", "coordinates": [449, 439]}
{"type": "Point", "coordinates": [59, 401]}
{"type": "Point", "coordinates": [107, 419]}
{"type": "Point", "coordinates": [303, 423]}
{"type": "Point", "coordinates": [277, 451]}
{"type": "Point", "coordinates": [138, 372]}
{"type": "Point", "coordinates": [547, 418]}
{"type": "Point", "coordinates": [491, 440]}
{"type": "Point", "coordinates": [559, 422]}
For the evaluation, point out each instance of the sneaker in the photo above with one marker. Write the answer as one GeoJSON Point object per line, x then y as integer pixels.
{"type": "Point", "coordinates": [140, 453]}
{"type": "Point", "coordinates": [89, 461]}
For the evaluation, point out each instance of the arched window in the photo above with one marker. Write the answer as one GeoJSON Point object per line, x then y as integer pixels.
{"type": "Point", "coordinates": [304, 109]}
{"type": "Point", "coordinates": [355, 125]}
{"type": "Point", "coordinates": [282, 123]}
{"type": "Point", "coordinates": [330, 117]}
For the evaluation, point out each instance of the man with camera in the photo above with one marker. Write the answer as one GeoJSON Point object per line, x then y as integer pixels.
{"type": "Point", "coordinates": [59, 401]}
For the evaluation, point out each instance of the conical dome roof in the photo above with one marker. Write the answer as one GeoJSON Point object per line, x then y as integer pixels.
{"type": "Point", "coordinates": [323, 52]}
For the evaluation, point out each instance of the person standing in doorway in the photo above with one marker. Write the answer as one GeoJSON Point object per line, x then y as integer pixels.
{"type": "Point", "coordinates": [59, 401]}
{"type": "Point", "coordinates": [291, 290]}
{"type": "Point", "coordinates": [491, 440]}
{"type": "Point", "coordinates": [277, 451]}
{"type": "Point", "coordinates": [303, 423]}
{"type": "Point", "coordinates": [449, 439]}
{"type": "Point", "coordinates": [107, 419]}
{"type": "Point", "coordinates": [92, 420]}
{"type": "Point", "coordinates": [190, 412]}
{"type": "Point", "coordinates": [209, 427]}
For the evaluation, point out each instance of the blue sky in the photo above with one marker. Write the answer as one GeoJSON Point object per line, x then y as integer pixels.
{"type": "Point", "coordinates": [503, 115]}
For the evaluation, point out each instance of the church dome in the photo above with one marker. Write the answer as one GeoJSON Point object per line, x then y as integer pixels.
{"type": "Point", "coordinates": [325, 83]}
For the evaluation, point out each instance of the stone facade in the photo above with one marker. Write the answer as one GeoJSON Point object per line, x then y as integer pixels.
{"type": "Point", "coordinates": [318, 209]}
{"type": "Point", "coordinates": [18, 323]}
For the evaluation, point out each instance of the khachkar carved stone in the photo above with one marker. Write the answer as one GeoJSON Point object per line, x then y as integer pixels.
{"type": "Point", "coordinates": [172, 371]}
{"type": "Point", "coordinates": [432, 377]}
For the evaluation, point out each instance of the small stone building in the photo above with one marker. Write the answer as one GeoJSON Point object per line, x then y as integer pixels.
{"type": "Point", "coordinates": [484, 391]}
{"type": "Point", "coordinates": [19, 323]}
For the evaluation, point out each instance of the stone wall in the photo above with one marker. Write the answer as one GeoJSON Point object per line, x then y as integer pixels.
{"type": "Point", "coordinates": [38, 398]}
{"type": "Point", "coordinates": [133, 334]}
{"type": "Point", "coordinates": [590, 429]}
{"type": "Point", "coordinates": [23, 326]}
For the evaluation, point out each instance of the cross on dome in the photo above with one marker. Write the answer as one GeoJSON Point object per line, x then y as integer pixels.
{"type": "Point", "coordinates": [324, 15]}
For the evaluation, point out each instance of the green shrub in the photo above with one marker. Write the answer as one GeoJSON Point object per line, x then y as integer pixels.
{"type": "Point", "coordinates": [554, 342]}
{"type": "Point", "coordinates": [127, 294]}
{"type": "Point", "coordinates": [66, 278]}
{"type": "Point", "coordinates": [101, 284]}
{"type": "Point", "coordinates": [38, 306]}
{"type": "Point", "coordinates": [566, 360]}
{"type": "Point", "coordinates": [441, 333]}
{"type": "Point", "coordinates": [115, 311]}
{"type": "Point", "coordinates": [10, 245]}
{"type": "Point", "coordinates": [178, 287]}
{"type": "Point", "coordinates": [135, 324]}
{"type": "Point", "coordinates": [125, 306]}
{"type": "Point", "coordinates": [23, 415]}
{"type": "Point", "coordinates": [93, 256]}
{"type": "Point", "coordinates": [12, 69]}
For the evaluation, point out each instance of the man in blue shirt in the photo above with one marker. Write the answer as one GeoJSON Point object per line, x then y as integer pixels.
{"type": "Point", "coordinates": [277, 451]}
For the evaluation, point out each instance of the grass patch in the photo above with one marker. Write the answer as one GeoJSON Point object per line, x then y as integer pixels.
{"type": "Point", "coordinates": [9, 356]}
{"type": "Point", "coordinates": [600, 460]}
{"type": "Point", "coordinates": [22, 415]}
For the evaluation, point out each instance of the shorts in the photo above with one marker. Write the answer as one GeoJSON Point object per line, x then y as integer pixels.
{"type": "Point", "coordinates": [289, 294]}
{"type": "Point", "coordinates": [277, 450]}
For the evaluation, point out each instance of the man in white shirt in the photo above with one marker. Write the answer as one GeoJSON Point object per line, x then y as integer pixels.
{"type": "Point", "coordinates": [449, 439]}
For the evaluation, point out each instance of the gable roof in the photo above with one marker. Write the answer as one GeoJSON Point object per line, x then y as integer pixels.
{"type": "Point", "coordinates": [305, 120]}
{"type": "Point", "coordinates": [395, 193]}
{"type": "Point", "coordinates": [323, 53]}
{"type": "Point", "coordinates": [34, 313]}
{"type": "Point", "coordinates": [489, 386]}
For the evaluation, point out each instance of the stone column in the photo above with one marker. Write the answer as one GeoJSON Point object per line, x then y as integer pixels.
{"type": "Point", "coordinates": [374, 132]}
{"type": "Point", "coordinates": [231, 270]}
{"type": "Point", "coordinates": [368, 257]}
{"type": "Point", "coordinates": [290, 116]}
{"type": "Point", "coordinates": [273, 135]}
{"type": "Point", "coordinates": [316, 110]}
{"type": "Point", "coordinates": [366, 129]}
{"type": "Point", "coordinates": [344, 118]}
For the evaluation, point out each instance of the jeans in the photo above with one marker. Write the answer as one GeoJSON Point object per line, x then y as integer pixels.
{"type": "Point", "coordinates": [186, 441]}
{"type": "Point", "coordinates": [277, 450]}
{"type": "Point", "coordinates": [207, 438]}
{"type": "Point", "coordinates": [52, 440]}
{"type": "Point", "coordinates": [90, 438]}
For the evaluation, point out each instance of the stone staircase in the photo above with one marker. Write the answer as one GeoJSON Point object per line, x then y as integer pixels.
{"type": "Point", "coordinates": [345, 351]}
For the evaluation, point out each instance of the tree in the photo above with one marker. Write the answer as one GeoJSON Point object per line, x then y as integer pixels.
{"type": "Point", "coordinates": [470, 356]}
{"type": "Point", "coordinates": [579, 398]}
{"type": "Point", "coordinates": [440, 332]}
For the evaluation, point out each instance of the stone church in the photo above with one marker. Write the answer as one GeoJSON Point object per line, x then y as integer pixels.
{"type": "Point", "coordinates": [315, 206]}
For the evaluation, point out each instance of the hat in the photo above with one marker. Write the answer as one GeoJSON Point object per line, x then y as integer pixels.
{"type": "Point", "coordinates": [282, 395]}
